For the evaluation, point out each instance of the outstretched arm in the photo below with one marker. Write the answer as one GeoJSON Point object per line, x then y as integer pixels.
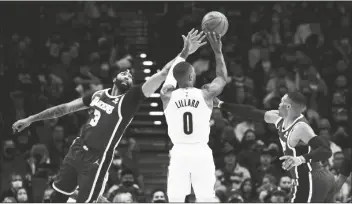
{"type": "Point", "coordinates": [248, 112]}
{"type": "Point", "coordinates": [60, 110]}
{"type": "Point", "coordinates": [54, 112]}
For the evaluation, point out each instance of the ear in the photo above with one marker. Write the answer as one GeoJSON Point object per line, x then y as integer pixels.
{"type": "Point", "coordinates": [114, 80]}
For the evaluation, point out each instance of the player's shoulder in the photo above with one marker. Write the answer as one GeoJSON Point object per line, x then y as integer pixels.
{"type": "Point", "coordinates": [99, 93]}
{"type": "Point", "coordinates": [303, 126]}
{"type": "Point", "coordinates": [167, 89]}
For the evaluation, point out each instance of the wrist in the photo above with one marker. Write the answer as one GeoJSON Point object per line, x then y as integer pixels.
{"type": "Point", "coordinates": [184, 53]}
{"type": "Point", "coordinates": [303, 160]}
{"type": "Point", "coordinates": [30, 119]}
{"type": "Point", "coordinates": [218, 53]}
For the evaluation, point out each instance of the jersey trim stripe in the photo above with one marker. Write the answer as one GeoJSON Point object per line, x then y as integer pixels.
{"type": "Point", "coordinates": [310, 187]}
{"type": "Point", "coordinates": [106, 149]}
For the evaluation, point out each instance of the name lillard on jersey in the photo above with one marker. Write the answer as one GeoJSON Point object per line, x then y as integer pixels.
{"type": "Point", "coordinates": [187, 102]}
{"type": "Point", "coordinates": [100, 104]}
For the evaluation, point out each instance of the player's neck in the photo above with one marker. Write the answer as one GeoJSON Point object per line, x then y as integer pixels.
{"type": "Point", "coordinates": [186, 85]}
{"type": "Point", "coordinates": [115, 91]}
{"type": "Point", "coordinates": [290, 119]}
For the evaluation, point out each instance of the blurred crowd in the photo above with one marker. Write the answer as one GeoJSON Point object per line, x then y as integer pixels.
{"type": "Point", "coordinates": [270, 49]}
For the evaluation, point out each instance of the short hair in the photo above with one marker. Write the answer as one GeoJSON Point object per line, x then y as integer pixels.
{"type": "Point", "coordinates": [298, 99]}
{"type": "Point", "coordinates": [181, 70]}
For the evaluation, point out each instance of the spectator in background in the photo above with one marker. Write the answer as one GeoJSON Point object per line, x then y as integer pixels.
{"type": "Point", "coordinates": [128, 184]}
{"type": "Point", "coordinates": [16, 183]}
{"type": "Point", "coordinates": [285, 184]}
{"type": "Point", "coordinates": [9, 200]}
{"type": "Point", "coordinates": [233, 173]}
{"type": "Point", "coordinates": [123, 197]}
{"type": "Point", "coordinates": [159, 196]}
{"type": "Point", "coordinates": [22, 196]}
{"type": "Point", "coordinates": [248, 192]}
{"type": "Point", "coordinates": [277, 196]}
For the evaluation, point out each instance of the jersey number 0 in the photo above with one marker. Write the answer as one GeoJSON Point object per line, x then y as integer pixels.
{"type": "Point", "coordinates": [187, 123]}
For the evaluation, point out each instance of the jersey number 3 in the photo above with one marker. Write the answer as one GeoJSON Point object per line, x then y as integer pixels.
{"type": "Point", "coordinates": [188, 123]}
{"type": "Point", "coordinates": [94, 121]}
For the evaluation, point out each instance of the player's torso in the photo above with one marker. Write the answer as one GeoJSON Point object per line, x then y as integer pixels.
{"type": "Point", "coordinates": [188, 116]}
{"type": "Point", "coordinates": [105, 121]}
{"type": "Point", "coordinates": [293, 147]}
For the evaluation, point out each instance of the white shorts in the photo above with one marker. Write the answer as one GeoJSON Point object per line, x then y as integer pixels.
{"type": "Point", "coordinates": [191, 165]}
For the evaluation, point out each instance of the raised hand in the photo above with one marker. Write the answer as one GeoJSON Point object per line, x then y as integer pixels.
{"type": "Point", "coordinates": [215, 41]}
{"type": "Point", "coordinates": [193, 41]}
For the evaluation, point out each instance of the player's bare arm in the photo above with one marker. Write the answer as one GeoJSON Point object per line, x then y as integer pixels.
{"type": "Point", "coordinates": [191, 43]}
{"type": "Point", "coordinates": [217, 85]}
{"type": "Point", "coordinates": [53, 112]}
{"type": "Point", "coordinates": [320, 147]}
{"type": "Point", "coordinates": [248, 111]}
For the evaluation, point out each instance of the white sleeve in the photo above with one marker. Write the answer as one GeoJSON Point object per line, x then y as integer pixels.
{"type": "Point", "coordinates": [170, 79]}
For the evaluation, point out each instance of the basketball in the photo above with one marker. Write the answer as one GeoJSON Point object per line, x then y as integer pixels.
{"type": "Point", "coordinates": [215, 22]}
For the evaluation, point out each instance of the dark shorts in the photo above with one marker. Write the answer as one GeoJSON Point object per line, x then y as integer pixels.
{"type": "Point", "coordinates": [84, 168]}
{"type": "Point", "coordinates": [314, 187]}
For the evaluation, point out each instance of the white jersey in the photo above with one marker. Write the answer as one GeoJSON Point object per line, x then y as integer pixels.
{"type": "Point", "coordinates": [188, 116]}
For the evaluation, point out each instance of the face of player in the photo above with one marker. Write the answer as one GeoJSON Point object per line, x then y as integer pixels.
{"type": "Point", "coordinates": [123, 81]}
{"type": "Point", "coordinates": [284, 106]}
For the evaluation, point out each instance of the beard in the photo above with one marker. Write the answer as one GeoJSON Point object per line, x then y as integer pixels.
{"type": "Point", "coordinates": [122, 86]}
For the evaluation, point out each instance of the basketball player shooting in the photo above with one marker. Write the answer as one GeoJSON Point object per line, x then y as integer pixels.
{"type": "Point", "coordinates": [187, 111]}
{"type": "Point", "coordinates": [303, 149]}
{"type": "Point", "coordinates": [90, 156]}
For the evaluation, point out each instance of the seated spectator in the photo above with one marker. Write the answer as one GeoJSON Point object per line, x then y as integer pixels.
{"type": "Point", "coordinates": [16, 182]}
{"type": "Point", "coordinates": [159, 196]}
{"type": "Point", "coordinates": [9, 200]}
{"type": "Point", "coordinates": [128, 184]}
{"type": "Point", "coordinates": [266, 166]}
{"type": "Point", "coordinates": [233, 173]}
{"type": "Point", "coordinates": [123, 197]}
{"type": "Point", "coordinates": [247, 191]}
{"type": "Point", "coordinates": [22, 195]}
{"type": "Point", "coordinates": [277, 196]}
{"type": "Point", "coordinates": [285, 184]}
{"type": "Point", "coordinates": [47, 195]}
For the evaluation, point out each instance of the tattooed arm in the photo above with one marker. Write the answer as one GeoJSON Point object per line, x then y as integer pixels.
{"type": "Point", "coordinates": [54, 112]}
{"type": "Point", "coordinates": [58, 111]}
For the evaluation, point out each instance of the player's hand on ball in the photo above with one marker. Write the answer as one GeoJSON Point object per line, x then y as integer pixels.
{"type": "Point", "coordinates": [290, 162]}
{"type": "Point", "coordinates": [20, 125]}
{"type": "Point", "coordinates": [215, 41]}
{"type": "Point", "coordinates": [193, 41]}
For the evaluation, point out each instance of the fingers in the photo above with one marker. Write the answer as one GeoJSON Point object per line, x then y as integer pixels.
{"type": "Point", "coordinates": [203, 43]}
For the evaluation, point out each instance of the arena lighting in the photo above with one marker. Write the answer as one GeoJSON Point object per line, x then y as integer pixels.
{"type": "Point", "coordinates": [156, 113]}
{"type": "Point", "coordinates": [147, 71]}
{"type": "Point", "coordinates": [143, 55]}
{"type": "Point", "coordinates": [157, 122]}
{"type": "Point", "coordinates": [155, 95]}
{"type": "Point", "coordinates": [147, 63]}
{"type": "Point", "coordinates": [146, 78]}
{"type": "Point", "coordinates": [154, 104]}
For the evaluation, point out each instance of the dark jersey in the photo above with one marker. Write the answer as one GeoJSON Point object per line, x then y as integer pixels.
{"type": "Point", "coordinates": [109, 116]}
{"type": "Point", "coordinates": [300, 149]}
